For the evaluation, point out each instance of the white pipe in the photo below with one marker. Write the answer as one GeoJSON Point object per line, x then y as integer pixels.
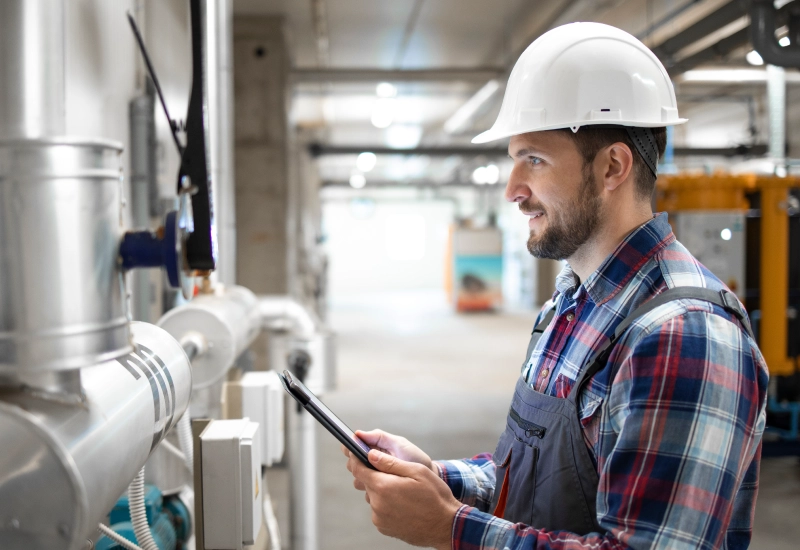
{"type": "Point", "coordinates": [138, 514]}
{"type": "Point", "coordinates": [284, 309]}
{"type": "Point", "coordinates": [270, 520]}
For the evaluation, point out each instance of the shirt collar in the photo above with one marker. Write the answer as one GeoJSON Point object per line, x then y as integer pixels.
{"type": "Point", "coordinates": [633, 252]}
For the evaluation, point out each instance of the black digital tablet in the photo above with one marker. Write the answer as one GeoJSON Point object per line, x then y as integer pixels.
{"type": "Point", "coordinates": [324, 416]}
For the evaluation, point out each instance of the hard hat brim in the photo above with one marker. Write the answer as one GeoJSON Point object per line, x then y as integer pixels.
{"type": "Point", "coordinates": [493, 135]}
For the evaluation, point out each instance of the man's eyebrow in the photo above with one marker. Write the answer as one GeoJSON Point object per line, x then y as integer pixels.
{"type": "Point", "coordinates": [523, 153]}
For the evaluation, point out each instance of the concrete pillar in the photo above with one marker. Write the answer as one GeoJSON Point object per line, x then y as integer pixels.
{"type": "Point", "coordinates": [264, 209]}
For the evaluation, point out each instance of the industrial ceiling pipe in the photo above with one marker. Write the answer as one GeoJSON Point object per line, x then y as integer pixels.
{"type": "Point", "coordinates": [762, 33]}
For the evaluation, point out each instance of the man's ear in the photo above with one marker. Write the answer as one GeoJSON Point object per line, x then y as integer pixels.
{"type": "Point", "coordinates": [617, 165]}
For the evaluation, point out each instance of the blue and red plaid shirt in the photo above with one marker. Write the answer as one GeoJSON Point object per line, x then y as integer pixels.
{"type": "Point", "coordinates": [673, 422]}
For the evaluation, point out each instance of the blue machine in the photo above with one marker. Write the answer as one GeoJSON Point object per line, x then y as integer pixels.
{"type": "Point", "coordinates": [168, 518]}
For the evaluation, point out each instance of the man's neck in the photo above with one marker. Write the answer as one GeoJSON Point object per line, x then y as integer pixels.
{"type": "Point", "coordinates": [593, 252]}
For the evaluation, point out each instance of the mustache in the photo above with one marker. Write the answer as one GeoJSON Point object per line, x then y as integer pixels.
{"type": "Point", "coordinates": [530, 206]}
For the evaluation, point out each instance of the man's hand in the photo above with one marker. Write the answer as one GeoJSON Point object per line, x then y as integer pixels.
{"type": "Point", "coordinates": [408, 500]}
{"type": "Point", "coordinates": [393, 445]}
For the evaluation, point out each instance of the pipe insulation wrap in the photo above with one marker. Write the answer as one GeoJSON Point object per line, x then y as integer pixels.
{"type": "Point", "coordinates": [86, 453]}
{"type": "Point", "coordinates": [284, 309]}
{"type": "Point", "coordinates": [227, 319]}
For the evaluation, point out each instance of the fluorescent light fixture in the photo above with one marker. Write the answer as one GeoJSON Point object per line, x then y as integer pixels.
{"type": "Point", "coordinates": [403, 136]}
{"type": "Point", "coordinates": [366, 161]}
{"type": "Point", "coordinates": [732, 75]}
{"type": "Point", "coordinates": [784, 41]}
{"type": "Point", "coordinates": [385, 89]}
{"type": "Point", "coordinates": [457, 122]}
{"type": "Point", "coordinates": [383, 112]}
{"type": "Point", "coordinates": [754, 58]}
{"type": "Point", "coordinates": [357, 181]}
{"type": "Point", "coordinates": [726, 234]}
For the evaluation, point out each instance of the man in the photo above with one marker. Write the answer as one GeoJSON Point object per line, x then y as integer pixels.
{"type": "Point", "coordinates": [637, 419]}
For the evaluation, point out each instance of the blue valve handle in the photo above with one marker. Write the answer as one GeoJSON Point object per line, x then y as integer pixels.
{"type": "Point", "coordinates": [145, 249]}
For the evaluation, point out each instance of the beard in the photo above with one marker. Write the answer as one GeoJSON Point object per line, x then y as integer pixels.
{"type": "Point", "coordinates": [570, 225]}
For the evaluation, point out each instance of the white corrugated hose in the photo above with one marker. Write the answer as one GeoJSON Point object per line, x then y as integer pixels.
{"type": "Point", "coordinates": [138, 514]}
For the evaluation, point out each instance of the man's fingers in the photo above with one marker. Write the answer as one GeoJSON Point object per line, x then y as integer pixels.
{"type": "Point", "coordinates": [345, 451]}
{"type": "Point", "coordinates": [392, 465]}
{"type": "Point", "coordinates": [366, 497]}
{"type": "Point", "coordinates": [359, 486]}
{"type": "Point", "coordinates": [373, 438]}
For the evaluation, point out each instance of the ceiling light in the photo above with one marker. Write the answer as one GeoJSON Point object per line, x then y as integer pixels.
{"type": "Point", "coordinates": [784, 41]}
{"type": "Point", "coordinates": [462, 116]}
{"type": "Point", "coordinates": [726, 234]}
{"type": "Point", "coordinates": [479, 175]}
{"type": "Point", "coordinates": [492, 174]}
{"type": "Point", "coordinates": [403, 136]}
{"type": "Point", "coordinates": [366, 161]}
{"type": "Point", "coordinates": [383, 112]}
{"type": "Point", "coordinates": [754, 58]}
{"type": "Point", "coordinates": [385, 89]}
{"type": "Point", "coordinates": [357, 181]}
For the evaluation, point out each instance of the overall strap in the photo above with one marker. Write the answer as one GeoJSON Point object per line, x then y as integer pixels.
{"type": "Point", "coordinates": [537, 331]}
{"type": "Point", "coordinates": [723, 298]}
{"type": "Point", "coordinates": [543, 324]}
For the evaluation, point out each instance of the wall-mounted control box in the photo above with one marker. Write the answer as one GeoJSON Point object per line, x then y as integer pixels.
{"type": "Point", "coordinates": [231, 462]}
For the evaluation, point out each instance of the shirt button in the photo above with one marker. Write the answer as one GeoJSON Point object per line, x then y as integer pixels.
{"type": "Point", "coordinates": [545, 372]}
{"type": "Point", "coordinates": [570, 317]}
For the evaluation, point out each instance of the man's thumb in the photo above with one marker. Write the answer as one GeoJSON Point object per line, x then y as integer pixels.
{"type": "Point", "coordinates": [391, 464]}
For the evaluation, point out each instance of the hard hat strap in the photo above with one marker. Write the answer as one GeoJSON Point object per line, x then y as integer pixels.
{"type": "Point", "coordinates": [645, 142]}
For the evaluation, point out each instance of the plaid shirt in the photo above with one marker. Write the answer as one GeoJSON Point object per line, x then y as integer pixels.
{"type": "Point", "coordinates": [673, 422]}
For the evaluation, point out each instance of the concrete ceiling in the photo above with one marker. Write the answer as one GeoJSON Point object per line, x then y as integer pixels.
{"type": "Point", "coordinates": [442, 34]}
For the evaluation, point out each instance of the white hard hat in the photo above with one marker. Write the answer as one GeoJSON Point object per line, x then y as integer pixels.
{"type": "Point", "coordinates": [584, 74]}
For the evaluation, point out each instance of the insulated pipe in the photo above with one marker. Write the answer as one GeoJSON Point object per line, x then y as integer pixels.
{"type": "Point", "coordinates": [69, 463]}
{"type": "Point", "coordinates": [278, 310]}
{"type": "Point", "coordinates": [32, 69]}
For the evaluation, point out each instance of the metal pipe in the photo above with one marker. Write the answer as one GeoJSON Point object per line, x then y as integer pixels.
{"type": "Point", "coordinates": [776, 102]}
{"type": "Point", "coordinates": [32, 69]}
{"type": "Point", "coordinates": [219, 75]}
{"type": "Point", "coordinates": [143, 182]}
{"type": "Point", "coordinates": [444, 74]}
{"type": "Point", "coordinates": [70, 462]}
{"type": "Point", "coordinates": [61, 288]}
{"type": "Point", "coordinates": [304, 480]}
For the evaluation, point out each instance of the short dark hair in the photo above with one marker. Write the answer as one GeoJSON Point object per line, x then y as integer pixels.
{"type": "Point", "coordinates": [590, 139]}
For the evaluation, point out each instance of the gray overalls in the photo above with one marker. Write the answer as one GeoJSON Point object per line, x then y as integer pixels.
{"type": "Point", "coordinates": [545, 475]}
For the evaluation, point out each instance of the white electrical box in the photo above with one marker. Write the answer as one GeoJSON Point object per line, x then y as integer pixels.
{"type": "Point", "coordinates": [263, 400]}
{"type": "Point", "coordinates": [231, 462]}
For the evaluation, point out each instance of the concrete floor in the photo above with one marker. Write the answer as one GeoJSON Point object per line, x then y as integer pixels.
{"type": "Point", "coordinates": [408, 365]}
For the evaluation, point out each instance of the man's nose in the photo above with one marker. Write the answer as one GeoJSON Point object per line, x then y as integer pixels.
{"type": "Point", "coordinates": [517, 189]}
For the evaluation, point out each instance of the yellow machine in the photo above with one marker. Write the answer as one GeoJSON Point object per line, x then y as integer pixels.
{"type": "Point", "coordinates": [763, 204]}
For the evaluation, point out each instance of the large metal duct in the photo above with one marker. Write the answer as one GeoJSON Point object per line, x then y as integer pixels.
{"type": "Point", "coordinates": [69, 462]}
{"type": "Point", "coordinates": [61, 289]}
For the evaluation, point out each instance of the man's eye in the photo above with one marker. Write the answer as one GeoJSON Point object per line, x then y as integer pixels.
{"type": "Point", "coordinates": [535, 160]}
